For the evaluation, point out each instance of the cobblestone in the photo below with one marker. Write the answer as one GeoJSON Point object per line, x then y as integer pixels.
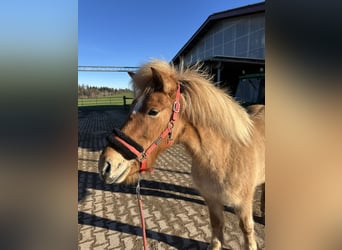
{"type": "Point", "coordinates": [175, 215]}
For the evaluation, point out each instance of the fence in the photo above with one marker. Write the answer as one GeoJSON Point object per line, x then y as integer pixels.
{"type": "Point", "coordinates": [105, 101]}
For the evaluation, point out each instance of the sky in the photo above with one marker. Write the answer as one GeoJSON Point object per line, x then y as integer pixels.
{"type": "Point", "coordinates": [132, 32]}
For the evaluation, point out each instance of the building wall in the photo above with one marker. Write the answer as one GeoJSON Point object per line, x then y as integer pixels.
{"type": "Point", "coordinates": [242, 37]}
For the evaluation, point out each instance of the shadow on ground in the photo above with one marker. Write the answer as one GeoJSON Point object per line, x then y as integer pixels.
{"type": "Point", "coordinates": [90, 180]}
{"type": "Point", "coordinates": [172, 240]}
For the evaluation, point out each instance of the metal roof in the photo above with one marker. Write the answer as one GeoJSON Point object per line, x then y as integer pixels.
{"type": "Point", "coordinates": [236, 60]}
{"type": "Point", "coordinates": [212, 19]}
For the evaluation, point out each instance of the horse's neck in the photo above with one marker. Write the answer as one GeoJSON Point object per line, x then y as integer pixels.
{"type": "Point", "coordinates": [199, 141]}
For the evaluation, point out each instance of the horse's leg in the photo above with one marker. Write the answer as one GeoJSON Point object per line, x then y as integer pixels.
{"type": "Point", "coordinates": [245, 214]}
{"type": "Point", "coordinates": [263, 200]}
{"type": "Point", "coordinates": [217, 223]}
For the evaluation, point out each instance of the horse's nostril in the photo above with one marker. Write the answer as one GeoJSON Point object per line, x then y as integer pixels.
{"type": "Point", "coordinates": [107, 167]}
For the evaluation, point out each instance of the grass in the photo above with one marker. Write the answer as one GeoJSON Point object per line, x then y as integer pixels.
{"type": "Point", "coordinates": [116, 100]}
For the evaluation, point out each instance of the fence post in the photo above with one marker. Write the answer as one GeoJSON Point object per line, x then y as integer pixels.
{"type": "Point", "coordinates": [124, 101]}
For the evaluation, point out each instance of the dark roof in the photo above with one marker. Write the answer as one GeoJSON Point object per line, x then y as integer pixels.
{"type": "Point", "coordinates": [212, 19]}
{"type": "Point", "coordinates": [236, 60]}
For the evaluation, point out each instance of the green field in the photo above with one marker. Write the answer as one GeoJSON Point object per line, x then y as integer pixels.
{"type": "Point", "coordinates": [116, 100]}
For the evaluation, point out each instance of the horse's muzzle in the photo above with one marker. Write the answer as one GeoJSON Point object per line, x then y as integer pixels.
{"type": "Point", "coordinates": [112, 173]}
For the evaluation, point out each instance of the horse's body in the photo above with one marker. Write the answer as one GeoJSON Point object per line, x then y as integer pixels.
{"type": "Point", "coordinates": [226, 142]}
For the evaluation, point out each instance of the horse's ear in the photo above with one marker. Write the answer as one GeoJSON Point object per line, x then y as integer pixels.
{"type": "Point", "coordinates": [160, 83]}
{"type": "Point", "coordinates": [131, 74]}
{"type": "Point", "coordinates": [157, 80]}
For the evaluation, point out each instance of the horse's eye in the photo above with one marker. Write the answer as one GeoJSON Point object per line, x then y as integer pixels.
{"type": "Point", "coordinates": [153, 112]}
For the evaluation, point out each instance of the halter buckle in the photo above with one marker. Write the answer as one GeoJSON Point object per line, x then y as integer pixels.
{"type": "Point", "coordinates": [142, 156]}
{"type": "Point", "coordinates": [176, 107]}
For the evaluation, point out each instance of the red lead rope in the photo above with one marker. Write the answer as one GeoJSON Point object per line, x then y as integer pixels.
{"type": "Point", "coordinates": [143, 227]}
{"type": "Point", "coordinates": [143, 224]}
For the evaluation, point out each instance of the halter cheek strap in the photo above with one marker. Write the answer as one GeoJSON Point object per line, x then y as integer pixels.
{"type": "Point", "coordinates": [130, 149]}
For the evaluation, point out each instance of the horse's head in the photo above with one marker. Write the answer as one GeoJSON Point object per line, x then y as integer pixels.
{"type": "Point", "coordinates": [153, 113]}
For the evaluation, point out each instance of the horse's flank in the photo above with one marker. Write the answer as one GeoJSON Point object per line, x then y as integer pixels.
{"type": "Point", "coordinates": [225, 168]}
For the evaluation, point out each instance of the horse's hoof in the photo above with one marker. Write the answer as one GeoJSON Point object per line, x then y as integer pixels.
{"type": "Point", "coordinates": [215, 245]}
{"type": "Point", "coordinates": [252, 246]}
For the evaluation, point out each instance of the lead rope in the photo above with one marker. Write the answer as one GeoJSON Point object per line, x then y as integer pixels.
{"type": "Point", "coordinates": [143, 228]}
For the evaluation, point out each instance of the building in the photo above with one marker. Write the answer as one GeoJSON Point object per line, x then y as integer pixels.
{"type": "Point", "coordinates": [231, 44]}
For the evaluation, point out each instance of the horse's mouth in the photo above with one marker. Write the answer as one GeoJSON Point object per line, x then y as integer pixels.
{"type": "Point", "coordinates": [119, 176]}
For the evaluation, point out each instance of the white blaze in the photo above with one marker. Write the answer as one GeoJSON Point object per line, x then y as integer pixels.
{"type": "Point", "coordinates": [139, 104]}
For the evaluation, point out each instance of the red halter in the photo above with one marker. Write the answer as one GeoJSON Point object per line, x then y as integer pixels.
{"type": "Point", "coordinates": [141, 156]}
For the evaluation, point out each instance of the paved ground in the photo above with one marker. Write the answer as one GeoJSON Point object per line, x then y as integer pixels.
{"type": "Point", "coordinates": [176, 216]}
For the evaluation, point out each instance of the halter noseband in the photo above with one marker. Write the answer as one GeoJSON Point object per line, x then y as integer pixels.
{"type": "Point", "coordinates": [130, 149]}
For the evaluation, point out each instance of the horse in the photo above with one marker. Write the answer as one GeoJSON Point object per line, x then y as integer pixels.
{"type": "Point", "coordinates": [225, 140]}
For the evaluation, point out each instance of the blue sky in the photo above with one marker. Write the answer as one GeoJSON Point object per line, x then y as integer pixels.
{"type": "Point", "coordinates": [131, 32]}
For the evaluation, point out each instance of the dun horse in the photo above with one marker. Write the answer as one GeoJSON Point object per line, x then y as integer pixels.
{"type": "Point", "coordinates": [225, 141]}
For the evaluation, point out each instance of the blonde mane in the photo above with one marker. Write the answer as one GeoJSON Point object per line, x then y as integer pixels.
{"type": "Point", "coordinates": [203, 103]}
